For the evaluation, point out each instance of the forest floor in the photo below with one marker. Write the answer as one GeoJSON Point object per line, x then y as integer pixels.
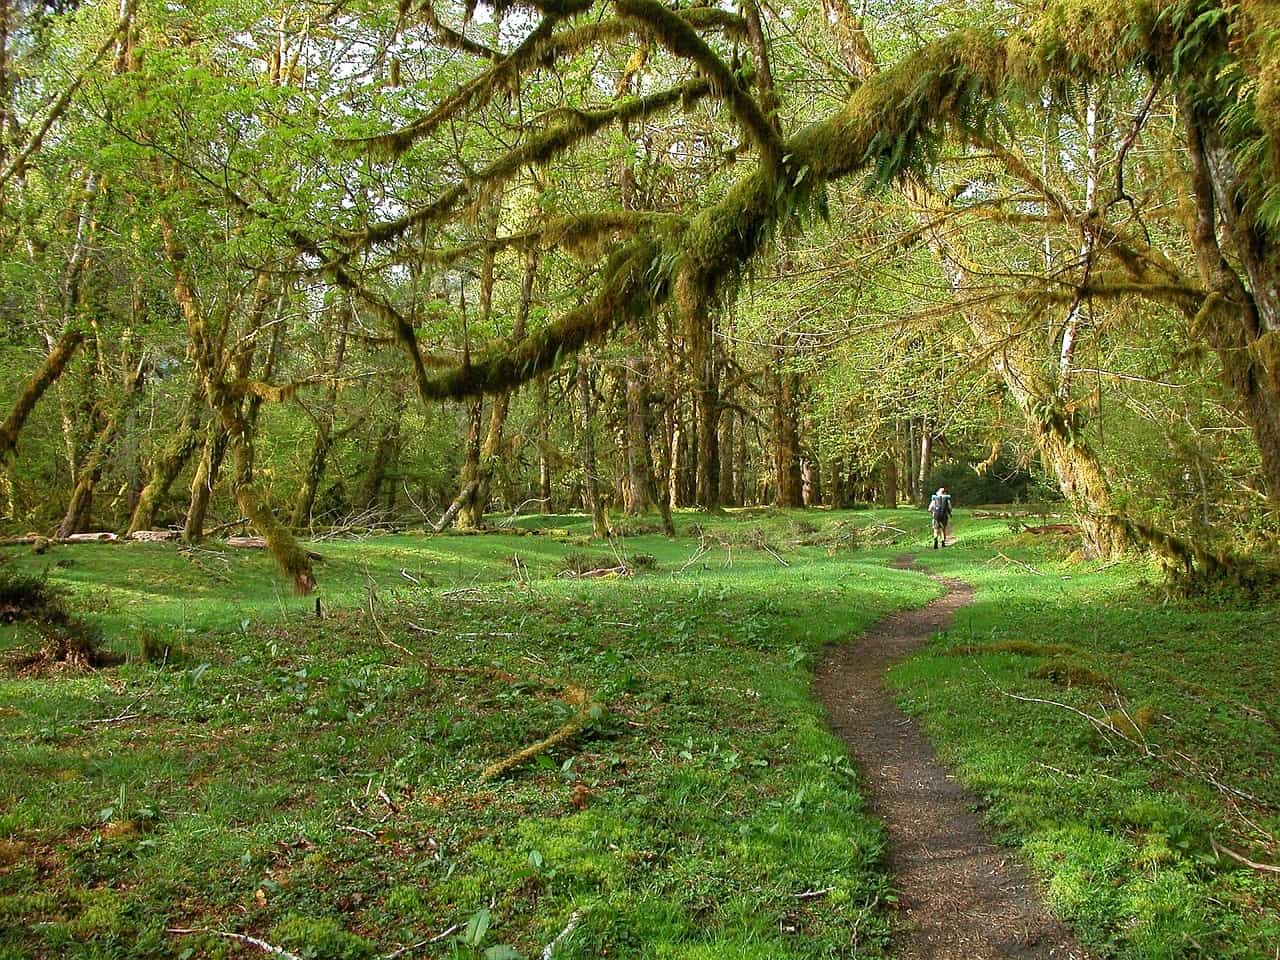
{"type": "Point", "coordinates": [317, 784]}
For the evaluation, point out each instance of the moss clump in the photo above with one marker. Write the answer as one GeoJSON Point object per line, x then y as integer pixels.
{"type": "Point", "coordinates": [1071, 672]}
{"type": "Point", "coordinates": [1020, 648]}
{"type": "Point", "coordinates": [320, 937]}
{"type": "Point", "coordinates": [1133, 725]}
{"type": "Point", "coordinates": [66, 641]}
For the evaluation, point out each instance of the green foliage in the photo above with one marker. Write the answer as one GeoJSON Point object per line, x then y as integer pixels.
{"type": "Point", "coordinates": [1001, 483]}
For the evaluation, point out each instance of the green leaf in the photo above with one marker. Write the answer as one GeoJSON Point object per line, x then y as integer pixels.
{"type": "Point", "coordinates": [503, 951]}
{"type": "Point", "coordinates": [477, 927]}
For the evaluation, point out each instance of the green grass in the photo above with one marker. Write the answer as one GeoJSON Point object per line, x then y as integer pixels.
{"type": "Point", "coordinates": [311, 782]}
{"type": "Point", "coordinates": [1122, 830]}
{"type": "Point", "coordinates": [315, 782]}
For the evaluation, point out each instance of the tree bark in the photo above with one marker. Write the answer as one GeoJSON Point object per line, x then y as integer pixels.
{"type": "Point", "coordinates": [1234, 320]}
{"type": "Point", "coordinates": [293, 561]}
{"type": "Point", "coordinates": [728, 495]}
{"type": "Point", "coordinates": [889, 480]}
{"type": "Point", "coordinates": [926, 458]}
{"type": "Point", "coordinates": [786, 437]}
{"type": "Point", "coordinates": [203, 481]}
{"type": "Point", "coordinates": [385, 450]}
{"type": "Point", "coordinates": [641, 489]}
{"type": "Point", "coordinates": [491, 448]}
{"type": "Point", "coordinates": [55, 362]}
{"type": "Point", "coordinates": [544, 446]}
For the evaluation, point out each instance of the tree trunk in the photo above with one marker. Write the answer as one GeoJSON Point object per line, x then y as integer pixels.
{"type": "Point", "coordinates": [1243, 327]}
{"type": "Point", "coordinates": [926, 459]}
{"type": "Point", "coordinates": [385, 450]}
{"type": "Point", "coordinates": [468, 513]}
{"type": "Point", "coordinates": [811, 483]}
{"type": "Point", "coordinates": [786, 439]}
{"type": "Point", "coordinates": [587, 447]}
{"type": "Point", "coordinates": [305, 500]}
{"type": "Point", "coordinates": [641, 489]}
{"type": "Point", "coordinates": [544, 446]}
{"type": "Point", "coordinates": [168, 463]}
{"type": "Point", "coordinates": [728, 495]}
{"type": "Point", "coordinates": [80, 506]}
{"type": "Point", "coordinates": [55, 362]}
{"type": "Point", "coordinates": [491, 449]}
{"type": "Point", "coordinates": [889, 480]}
{"type": "Point", "coordinates": [293, 561]}
{"type": "Point", "coordinates": [203, 482]}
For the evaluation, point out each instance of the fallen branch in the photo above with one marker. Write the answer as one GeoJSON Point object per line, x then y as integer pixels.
{"type": "Point", "coordinates": [1052, 528]}
{"type": "Point", "coordinates": [773, 553]}
{"type": "Point", "coordinates": [573, 726]}
{"type": "Point", "coordinates": [239, 938]}
{"type": "Point", "coordinates": [549, 951]}
{"type": "Point", "coordinates": [422, 943]}
{"type": "Point", "coordinates": [1025, 566]}
{"type": "Point", "coordinates": [1239, 858]}
{"type": "Point", "coordinates": [154, 536]}
{"type": "Point", "coordinates": [116, 719]}
{"type": "Point", "coordinates": [509, 520]}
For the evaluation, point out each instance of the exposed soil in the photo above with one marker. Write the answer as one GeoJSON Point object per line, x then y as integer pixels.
{"type": "Point", "coordinates": [961, 897]}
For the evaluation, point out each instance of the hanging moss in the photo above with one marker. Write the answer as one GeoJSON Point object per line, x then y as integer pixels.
{"type": "Point", "coordinates": [567, 129]}
{"type": "Point", "coordinates": [677, 35]}
{"type": "Point", "coordinates": [625, 294]}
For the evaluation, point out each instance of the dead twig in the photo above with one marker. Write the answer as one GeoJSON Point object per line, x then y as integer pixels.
{"type": "Point", "coordinates": [238, 938]}
{"type": "Point", "coordinates": [117, 719]}
{"type": "Point", "coordinates": [549, 951]}
{"type": "Point", "coordinates": [813, 894]}
{"type": "Point", "coordinates": [422, 943]}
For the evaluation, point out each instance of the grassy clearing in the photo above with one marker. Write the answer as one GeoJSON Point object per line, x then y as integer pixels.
{"type": "Point", "coordinates": [1121, 821]}
{"type": "Point", "coordinates": [315, 782]}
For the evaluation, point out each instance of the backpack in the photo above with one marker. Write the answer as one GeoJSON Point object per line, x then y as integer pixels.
{"type": "Point", "coordinates": [940, 507]}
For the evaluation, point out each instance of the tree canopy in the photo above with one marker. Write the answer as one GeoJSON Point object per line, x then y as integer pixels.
{"type": "Point", "coordinates": [765, 248]}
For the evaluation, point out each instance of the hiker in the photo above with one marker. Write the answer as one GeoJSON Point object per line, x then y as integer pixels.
{"type": "Point", "coordinates": [940, 510]}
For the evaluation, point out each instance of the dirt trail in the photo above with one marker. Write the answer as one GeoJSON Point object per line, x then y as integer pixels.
{"type": "Point", "coordinates": [961, 896]}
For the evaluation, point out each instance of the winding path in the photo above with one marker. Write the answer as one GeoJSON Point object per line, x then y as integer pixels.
{"type": "Point", "coordinates": [961, 897]}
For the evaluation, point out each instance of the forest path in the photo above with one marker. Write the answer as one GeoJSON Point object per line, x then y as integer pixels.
{"type": "Point", "coordinates": [961, 896]}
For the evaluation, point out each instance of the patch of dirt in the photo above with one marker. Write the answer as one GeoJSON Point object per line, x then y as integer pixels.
{"type": "Point", "coordinates": [961, 897]}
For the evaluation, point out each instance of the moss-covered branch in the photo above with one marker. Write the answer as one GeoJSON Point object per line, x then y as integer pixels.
{"type": "Point", "coordinates": [584, 235]}
{"type": "Point", "coordinates": [678, 36]}
{"type": "Point", "coordinates": [55, 362]}
{"type": "Point", "coordinates": [565, 130]}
